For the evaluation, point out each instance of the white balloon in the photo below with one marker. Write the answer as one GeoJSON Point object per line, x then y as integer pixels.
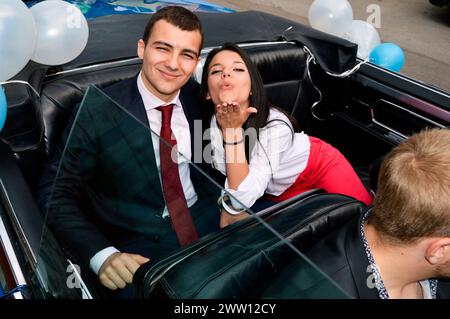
{"type": "Point", "coordinates": [62, 32]}
{"type": "Point", "coordinates": [331, 16]}
{"type": "Point", "coordinates": [17, 37]}
{"type": "Point", "coordinates": [365, 36]}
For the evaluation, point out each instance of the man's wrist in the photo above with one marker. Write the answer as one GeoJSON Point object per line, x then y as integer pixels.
{"type": "Point", "coordinates": [100, 257]}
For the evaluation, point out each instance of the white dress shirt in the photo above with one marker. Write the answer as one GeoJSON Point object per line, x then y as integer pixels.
{"type": "Point", "coordinates": [180, 128]}
{"type": "Point", "coordinates": [275, 161]}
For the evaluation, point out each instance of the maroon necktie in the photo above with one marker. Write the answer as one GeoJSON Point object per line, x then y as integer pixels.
{"type": "Point", "coordinates": [172, 188]}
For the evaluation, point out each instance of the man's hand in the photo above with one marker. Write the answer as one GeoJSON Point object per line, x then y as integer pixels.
{"type": "Point", "coordinates": [228, 219]}
{"type": "Point", "coordinates": [118, 269]}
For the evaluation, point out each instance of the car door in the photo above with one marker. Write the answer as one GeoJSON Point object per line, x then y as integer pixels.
{"type": "Point", "coordinates": [374, 109]}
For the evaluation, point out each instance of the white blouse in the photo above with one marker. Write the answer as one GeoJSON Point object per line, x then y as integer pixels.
{"type": "Point", "coordinates": [275, 161]}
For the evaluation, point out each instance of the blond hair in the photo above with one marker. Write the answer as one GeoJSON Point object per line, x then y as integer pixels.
{"type": "Point", "coordinates": [413, 196]}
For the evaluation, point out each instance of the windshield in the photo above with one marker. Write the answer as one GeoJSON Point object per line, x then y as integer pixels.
{"type": "Point", "coordinates": [108, 192]}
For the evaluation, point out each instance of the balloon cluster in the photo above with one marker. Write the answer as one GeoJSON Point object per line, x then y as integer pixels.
{"type": "Point", "coordinates": [52, 32]}
{"type": "Point", "coordinates": [336, 17]}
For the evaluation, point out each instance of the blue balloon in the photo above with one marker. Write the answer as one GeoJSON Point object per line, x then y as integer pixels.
{"type": "Point", "coordinates": [2, 108]}
{"type": "Point", "coordinates": [388, 55]}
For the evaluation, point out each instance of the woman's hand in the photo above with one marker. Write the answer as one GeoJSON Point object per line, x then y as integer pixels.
{"type": "Point", "coordinates": [230, 115]}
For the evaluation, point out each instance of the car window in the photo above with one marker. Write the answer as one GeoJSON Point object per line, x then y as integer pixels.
{"type": "Point", "coordinates": [259, 244]}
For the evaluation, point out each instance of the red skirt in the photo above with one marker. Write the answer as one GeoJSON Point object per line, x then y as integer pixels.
{"type": "Point", "coordinates": [327, 169]}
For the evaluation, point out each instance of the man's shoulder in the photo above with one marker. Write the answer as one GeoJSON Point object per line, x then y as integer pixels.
{"type": "Point", "coordinates": [331, 247]}
{"type": "Point", "coordinates": [443, 289]}
{"type": "Point", "coordinates": [119, 87]}
{"type": "Point", "coordinates": [190, 98]}
{"type": "Point", "coordinates": [191, 88]}
{"type": "Point", "coordinates": [331, 252]}
{"type": "Point", "coordinates": [330, 255]}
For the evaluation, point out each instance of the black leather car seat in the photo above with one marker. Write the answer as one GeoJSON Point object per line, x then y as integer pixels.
{"type": "Point", "coordinates": [243, 259]}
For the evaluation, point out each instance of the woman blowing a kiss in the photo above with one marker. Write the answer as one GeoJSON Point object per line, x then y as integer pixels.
{"type": "Point", "coordinates": [278, 161]}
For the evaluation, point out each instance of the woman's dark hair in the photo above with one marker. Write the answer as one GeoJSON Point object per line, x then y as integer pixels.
{"type": "Point", "coordinates": [258, 98]}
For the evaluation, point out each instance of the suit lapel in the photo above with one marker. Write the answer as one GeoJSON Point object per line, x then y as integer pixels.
{"type": "Point", "coordinates": [131, 100]}
{"type": "Point", "coordinates": [128, 96]}
{"type": "Point", "coordinates": [189, 97]}
{"type": "Point", "coordinates": [129, 121]}
{"type": "Point", "coordinates": [358, 263]}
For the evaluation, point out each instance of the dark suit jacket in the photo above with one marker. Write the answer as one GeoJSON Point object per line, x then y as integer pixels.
{"type": "Point", "coordinates": [108, 191]}
{"type": "Point", "coordinates": [341, 256]}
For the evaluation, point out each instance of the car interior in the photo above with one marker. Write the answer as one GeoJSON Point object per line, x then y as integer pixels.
{"type": "Point", "coordinates": [252, 258]}
{"type": "Point", "coordinates": [283, 68]}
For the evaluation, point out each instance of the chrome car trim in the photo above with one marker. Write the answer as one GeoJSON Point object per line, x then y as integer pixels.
{"type": "Point", "coordinates": [389, 129]}
{"type": "Point", "coordinates": [93, 66]}
{"type": "Point", "coordinates": [12, 258]}
{"type": "Point", "coordinates": [410, 112]}
{"type": "Point", "coordinates": [85, 293]}
{"type": "Point", "coordinates": [204, 51]}
{"type": "Point", "coordinates": [376, 122]}
{"type": "Point", "coordinates": [12, 213]}
{"type": "Point", "coordinates": [405, 78]}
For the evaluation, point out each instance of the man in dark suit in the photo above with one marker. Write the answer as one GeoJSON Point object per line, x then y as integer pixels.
{"type": "Point", "coordinates": [121, 195]}
{"type": "Point", "coordinates": [401, 246]}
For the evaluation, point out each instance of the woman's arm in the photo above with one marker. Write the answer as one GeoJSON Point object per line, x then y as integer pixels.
{"type": "Point", "coordinates": [266, 158]}
{"type": "Point", "coordinates": [235, 161]}
{"type": "Point", "coordinates": [230, 118]}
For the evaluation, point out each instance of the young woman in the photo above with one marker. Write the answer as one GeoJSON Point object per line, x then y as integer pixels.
{"type": "Point", "coordinates": [257, 146]}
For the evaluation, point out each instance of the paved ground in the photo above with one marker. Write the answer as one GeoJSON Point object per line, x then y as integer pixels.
{"type": "Point", "coordinates": [420, 28]}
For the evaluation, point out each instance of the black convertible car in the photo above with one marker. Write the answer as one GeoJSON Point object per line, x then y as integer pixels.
{"type": "Point", "coordinates": [360, 108]}
{"type": "Point", "coordinates": [442, 3]}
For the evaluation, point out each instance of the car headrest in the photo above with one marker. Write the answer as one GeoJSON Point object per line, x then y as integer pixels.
{"type": "Point", "coordinates": [284, 62]}
{"type": "Point", "coordinates": [24, 128]}
{"type": "Point", "coordinates": [62, 92]}
{"type": "Point", "coordinates": [283, 70]}
{"type": "Point", "coordinates": [240, 261]}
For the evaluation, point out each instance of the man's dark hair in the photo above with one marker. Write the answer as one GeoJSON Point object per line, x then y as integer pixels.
{"type": "Point", "coordinates": [177, 16]}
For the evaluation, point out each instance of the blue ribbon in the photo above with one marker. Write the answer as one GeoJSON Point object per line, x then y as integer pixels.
{"type": "Point", "coordinates": [8, 294]}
